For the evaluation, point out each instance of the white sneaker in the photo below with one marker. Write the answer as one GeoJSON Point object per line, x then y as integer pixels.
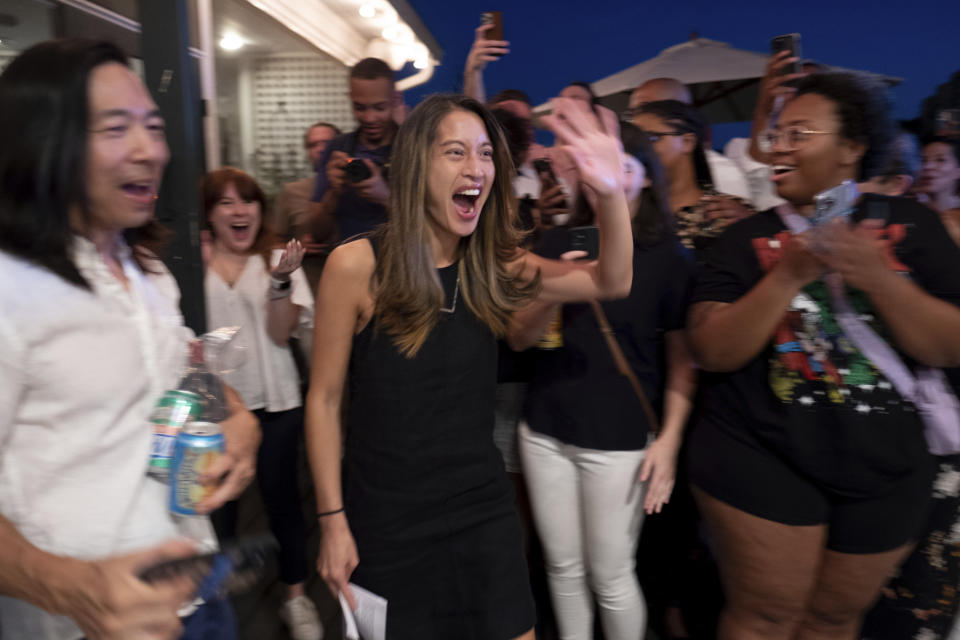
{"type": "Point", "coordinates": [300, 616]}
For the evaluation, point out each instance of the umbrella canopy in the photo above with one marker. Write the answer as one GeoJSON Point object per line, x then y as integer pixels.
{"type": "Point", "coordinates": [723, 80]}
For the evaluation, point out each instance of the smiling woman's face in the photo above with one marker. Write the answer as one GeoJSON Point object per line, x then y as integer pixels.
{"type": "Point", "coordinates": [941, 170]}
{"type": "Point", "coordinates": [461, 173]}
{"type": "Point", "coordinates": [822, 160]}
{"type": "Point", "coordinates": [235, 221]}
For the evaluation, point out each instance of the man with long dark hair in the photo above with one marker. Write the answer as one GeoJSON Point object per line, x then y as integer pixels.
{"type": "Point", "coordinates": [90, 338]}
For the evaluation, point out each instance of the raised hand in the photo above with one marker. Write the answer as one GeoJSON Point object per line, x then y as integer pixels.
{"type": "Point", "coordinates": [484, 51]}
{"type": "Point", "coordinates": [774, 84]}
{"type": "Point", "coordinates": [290, 260]}
{"type": "Point", "coordinates": [596, 153]}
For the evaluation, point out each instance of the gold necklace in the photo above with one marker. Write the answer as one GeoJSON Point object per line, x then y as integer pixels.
{"type": "Point", "coordinates": [456, 290]}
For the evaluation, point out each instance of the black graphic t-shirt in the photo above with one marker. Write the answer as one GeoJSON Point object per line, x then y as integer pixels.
{"type": "Point", "coordinates": [811, 395]}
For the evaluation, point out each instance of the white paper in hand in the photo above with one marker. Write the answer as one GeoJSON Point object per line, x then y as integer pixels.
{"type": "Point", "coordinates": [369, 621]}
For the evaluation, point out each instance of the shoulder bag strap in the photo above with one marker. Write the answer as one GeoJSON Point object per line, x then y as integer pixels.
{"type": "Point", "coordinates": [623, 366]}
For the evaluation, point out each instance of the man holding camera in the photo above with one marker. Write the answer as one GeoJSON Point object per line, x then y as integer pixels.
{"type": "Point", "coordinates": [351, 188]}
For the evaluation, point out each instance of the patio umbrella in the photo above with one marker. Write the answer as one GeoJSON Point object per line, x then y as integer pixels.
{"type": "Point", "coordinates": [722, 79]}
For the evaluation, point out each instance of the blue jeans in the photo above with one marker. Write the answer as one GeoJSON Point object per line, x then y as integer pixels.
{"type": "Point", "coordinates": [212, 621]}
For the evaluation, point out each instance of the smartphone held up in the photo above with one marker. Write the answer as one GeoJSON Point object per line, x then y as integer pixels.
{"type": "Point", "coordinates": [494, 18]}
{"type": "Point", "coordinates": [788, 42]}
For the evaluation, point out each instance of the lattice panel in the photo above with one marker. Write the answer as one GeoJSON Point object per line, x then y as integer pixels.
{"type": "Point", "coordinates": [291, 92]}
{"type": "Point", "coordinates": [6, 57]}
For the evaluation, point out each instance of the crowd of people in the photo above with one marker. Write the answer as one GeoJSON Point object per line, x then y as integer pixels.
{"type": "Point", "coordinates": [503, 358]}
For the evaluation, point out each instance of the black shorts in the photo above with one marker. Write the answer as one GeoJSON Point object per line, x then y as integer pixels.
{"type": "Point", "coordinates": [756, 480]}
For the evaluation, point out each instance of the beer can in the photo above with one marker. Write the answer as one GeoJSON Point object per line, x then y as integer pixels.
{"type": "Point", "coordinates": [553, 337]}
{"type": "Point", "coordinates": [196, 448]}
{"type": "Point", "coordinates": [175, 409]}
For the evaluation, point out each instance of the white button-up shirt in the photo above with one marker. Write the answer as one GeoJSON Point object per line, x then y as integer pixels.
{"type": "Point", "coordinates": [80, 372]}
{"type": "Point", "coordinates": [763, 194]}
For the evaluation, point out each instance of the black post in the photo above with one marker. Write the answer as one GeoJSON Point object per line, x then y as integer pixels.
{"type": "Point", "coordinates": [171, 78]}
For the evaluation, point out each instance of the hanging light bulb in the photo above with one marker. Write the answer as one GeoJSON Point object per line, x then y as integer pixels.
{"type": "Point", "coordinates": [231, 42]}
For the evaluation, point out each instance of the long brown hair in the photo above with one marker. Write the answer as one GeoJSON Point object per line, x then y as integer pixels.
{"type": "Point", "coordinates": [215, 184]}
{"type": "Point", "coordinates": [407, 288]}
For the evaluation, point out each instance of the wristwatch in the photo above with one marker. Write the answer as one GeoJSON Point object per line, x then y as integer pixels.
{"type": "Point", "coordinates": [279, 285]}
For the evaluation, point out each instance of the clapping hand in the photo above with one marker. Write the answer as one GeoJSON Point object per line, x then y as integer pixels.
{"type": "Point", "coordinates": [854, 252]}
{"type": "Point", "coordinates": [290, 260]}
{"type": "Point", "coordinates": [798, 262]}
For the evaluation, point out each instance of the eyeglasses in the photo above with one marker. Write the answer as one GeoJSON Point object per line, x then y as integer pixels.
{"type": "Point", "coordinates": [653, 136]}
{"type": "Point", "coordinates": [794, 137]}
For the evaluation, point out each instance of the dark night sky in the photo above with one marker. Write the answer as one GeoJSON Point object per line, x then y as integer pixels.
{"type": "Point", "coordinates": [555, 42]}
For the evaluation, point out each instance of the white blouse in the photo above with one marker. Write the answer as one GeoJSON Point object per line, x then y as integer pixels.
{"type": "Point", "coordinates": [268, 377]}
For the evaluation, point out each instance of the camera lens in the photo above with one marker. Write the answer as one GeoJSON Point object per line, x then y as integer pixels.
{"type": "Point", "coordinates": [356, 171]}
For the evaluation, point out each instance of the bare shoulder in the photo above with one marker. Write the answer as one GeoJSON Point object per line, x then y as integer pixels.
{"type": "Point", "coordinates": [353, 262]}
{"type": "Point", "coordinates": [346, 278]}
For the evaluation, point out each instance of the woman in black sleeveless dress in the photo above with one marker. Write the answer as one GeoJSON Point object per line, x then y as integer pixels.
{"type": "Point", "coordinates": [407, 321]}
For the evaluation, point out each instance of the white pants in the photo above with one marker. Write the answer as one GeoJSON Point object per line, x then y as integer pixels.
{"type": "Point", "coordinates": [588, 508]}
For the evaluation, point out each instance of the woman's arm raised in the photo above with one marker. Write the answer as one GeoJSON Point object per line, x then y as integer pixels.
{"type": "Point", "coordinates": [282, 313]}
{"type": "Point", "coordinates": [597, 155]}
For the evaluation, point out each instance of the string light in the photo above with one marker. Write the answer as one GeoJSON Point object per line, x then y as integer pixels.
{"type": "Point", "coordinates": [231, 42]}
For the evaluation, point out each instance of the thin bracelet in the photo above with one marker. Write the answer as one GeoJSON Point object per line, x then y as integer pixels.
{"type": "Point", "coordinates": [330, 513]}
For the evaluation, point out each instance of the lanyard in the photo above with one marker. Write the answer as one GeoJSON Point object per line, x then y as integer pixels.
{"type": "Point", "coordinates": [858, 331]}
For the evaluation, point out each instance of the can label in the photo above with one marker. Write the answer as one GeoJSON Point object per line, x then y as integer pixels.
{"type": "Point", "coordinates": [553, 337]}
{"type": "Point", "coordinates": [197, 447]}
{"type": "Point", "coordinates": [175, 409]}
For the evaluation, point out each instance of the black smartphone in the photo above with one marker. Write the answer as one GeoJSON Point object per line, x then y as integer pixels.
{"type": "Point", "coordinates": [585, 239]}
{"type": "Point", "coordinates": [496, 19]}
{"type": "Point", "coordinates": [548, 180]}
{"type": "Point", "coordinates": [545, 170]}
{"type": "Point", "coordinates": [788, 42]}
{"type": "Point", "coordinates": [236, 567]}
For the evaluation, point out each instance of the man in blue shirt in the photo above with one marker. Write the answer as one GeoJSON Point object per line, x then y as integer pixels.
{"type": "Point", "coordinates": [346, 207]}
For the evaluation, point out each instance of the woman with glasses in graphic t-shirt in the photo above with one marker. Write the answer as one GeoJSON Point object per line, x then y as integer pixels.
{"type": "Point", "coordinates": [810, 467]}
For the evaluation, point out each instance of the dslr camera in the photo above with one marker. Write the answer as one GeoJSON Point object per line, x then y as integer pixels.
{"type": "Point", "coordinates": [356, 170]}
